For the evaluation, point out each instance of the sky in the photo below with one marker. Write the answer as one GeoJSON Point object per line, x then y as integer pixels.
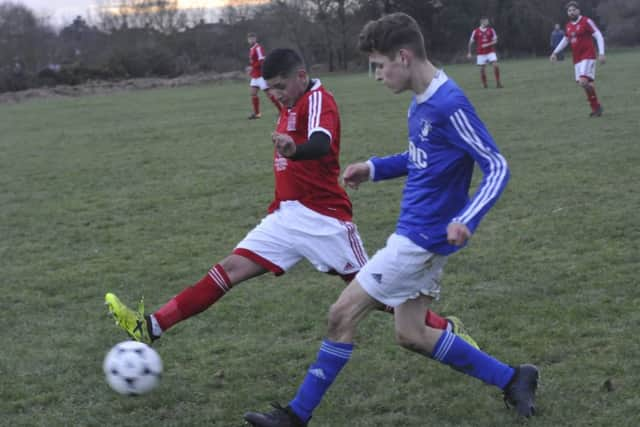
{"type": "Point", "coordinates": [63, 11]}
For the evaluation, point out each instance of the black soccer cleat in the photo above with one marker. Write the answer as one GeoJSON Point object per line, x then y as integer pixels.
{"type": "Point", "coordinates": [521, 390]}
{"type": "Point", "coordinates": [279, 417]}
{"type": "Point", "coordinates": [597, 112]}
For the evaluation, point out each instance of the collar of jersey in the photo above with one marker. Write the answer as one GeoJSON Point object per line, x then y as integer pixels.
{"type": "Point", "coordinates": [314, 84]}
{"type": "Point", "coordinates": [438, 80]}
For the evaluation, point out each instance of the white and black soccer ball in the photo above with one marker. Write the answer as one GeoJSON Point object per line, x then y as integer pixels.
{"type": "Point", "coordinates": [132, 368]}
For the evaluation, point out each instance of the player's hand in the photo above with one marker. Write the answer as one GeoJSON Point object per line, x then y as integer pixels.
{"type": "Point", "coordinates": [355, 174]}
{"type": "Point", "coordinates": [553, 57]}
{"type": "Point", "coordinates": [468, 55]}
{"type": "Point", "coordinates": [283, 144]}
{"type": "Point", "coordinates": [247, 70]}
{"type": "Point", "coordinates": [602, 59]}
{"type": "Point", "coordinates": [457, 233]}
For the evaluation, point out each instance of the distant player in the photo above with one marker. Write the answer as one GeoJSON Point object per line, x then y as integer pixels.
{"type": "Point", "coordinates": [485, 39]}
{"type": "Point", "coordinates": [256, 58]}
{"type": "Point", "coordinates": [580, 32]}
{"type": "Point", "coordinates": [437, 217]}
{"type": "Point", "coordinates": [309, 218]}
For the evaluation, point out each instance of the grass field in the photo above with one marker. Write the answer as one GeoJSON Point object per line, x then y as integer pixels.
{"type": "Point", "coordinates": [139, 193]}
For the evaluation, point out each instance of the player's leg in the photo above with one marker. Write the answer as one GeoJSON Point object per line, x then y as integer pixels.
{"type": "Point", "coordinates": [339, 249]}
{"type": "Point", "coordinates": [449, 323]}
{"type": "Point", "coordinates": [207, 291]}
{"type": "Point", "coordinates": [255, 101]}
{"type": "Point", "coordinates": [189, 302]}
{"type": "Point", "coordinates": [353, 305]}
{"type": "Point", "coordinates": [483, 76]}
{"type": "Point", "coordinates": [518, 384]}
{"type": "Point", "coordinates": [592, 98]}
{"type": "Point", "coordinates": [496, 74]}
{"type": "Point", "coordinates": [266, 247]}
{"type": "Point", "coordinates": [585, 76]}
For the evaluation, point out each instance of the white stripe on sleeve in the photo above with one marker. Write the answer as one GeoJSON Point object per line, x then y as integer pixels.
{"type": "Point", "coordinates": [315, 108]}
{"type": "Point", "coordinates": [497, 167]}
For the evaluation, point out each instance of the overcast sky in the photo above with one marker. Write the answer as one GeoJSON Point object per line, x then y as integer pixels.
{"type": "Point", "coordinates": [63, 11]}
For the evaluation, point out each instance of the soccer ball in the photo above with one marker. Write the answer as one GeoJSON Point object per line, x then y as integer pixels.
{"type": "Point", "coordinates": [132, 368]}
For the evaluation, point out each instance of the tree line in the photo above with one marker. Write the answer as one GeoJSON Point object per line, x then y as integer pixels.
{"type": "Point", "coordinates": [142, 38]}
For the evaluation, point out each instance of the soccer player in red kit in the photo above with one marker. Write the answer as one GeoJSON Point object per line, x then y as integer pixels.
{"type": "Point", "coordinates": [485, 38]}
{"type": "Point", "coordinates": [309, 218]}
{"type": "Point", "coordinates": [580, 32]}
{"type": "Point", "coordinates": [256, 58]}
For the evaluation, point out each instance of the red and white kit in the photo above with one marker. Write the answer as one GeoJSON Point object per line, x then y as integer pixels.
{"type": "Point", "coordinates": [256, 58]}
{"type": "Point", "coordinates": [580, 35]}
{"type": "Point", "coordinates": [310, 216]}
{"type": "Point", "coordinates": [482, 36]}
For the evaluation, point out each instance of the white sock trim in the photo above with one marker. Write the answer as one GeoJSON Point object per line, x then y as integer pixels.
{"type": "Point", "coordinates": [156, 330]}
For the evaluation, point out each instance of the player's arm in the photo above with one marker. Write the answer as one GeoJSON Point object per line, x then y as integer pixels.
{"type": "Point", "coordinates": [317, 146]}
{"type": "Point", "coordinates": [563, 43]}
{"type": "Point", "coordinates": [375, 169]}
{"type": "Point", "coordinates": [470, 44]}
{"type": "Point", "coordinates": [599, 40]}
{"type": "Point", "coordinates": [322, 123]}
{"type": "Point", "coordinates": [469, 133]}
{"type": "Point", "coordinates": [389, 167]}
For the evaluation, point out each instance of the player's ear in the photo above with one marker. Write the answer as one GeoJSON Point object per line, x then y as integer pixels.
{"type": "Point", "coordinates": [405, 57]}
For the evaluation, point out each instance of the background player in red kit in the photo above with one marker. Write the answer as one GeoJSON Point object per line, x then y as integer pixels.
{"type": "Point", "coordinates": [309, 218]}
{"type": "Point", "coordinates": [485, 39]}
{"type": "Point", "coordinates": [256, 58]}
{"type": "Point", "coordinates": [580, 32]}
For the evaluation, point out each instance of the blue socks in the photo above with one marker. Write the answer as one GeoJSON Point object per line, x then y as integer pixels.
{"type": "Point", "coordinates": [331, 359]}
{"type": "Point", "coordinates": [450, 350]}
{"type": "Point", "coordinates": [457, 353]}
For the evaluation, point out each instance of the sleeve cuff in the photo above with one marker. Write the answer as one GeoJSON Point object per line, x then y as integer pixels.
{"type": "Point", "coordinates": [372, 170]}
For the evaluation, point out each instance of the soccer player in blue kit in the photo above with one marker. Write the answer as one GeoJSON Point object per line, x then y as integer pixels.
{"type": "Point", "coordinates": [437, 218]}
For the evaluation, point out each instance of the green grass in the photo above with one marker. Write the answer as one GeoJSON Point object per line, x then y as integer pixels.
{"type": "Point", "coordinates": [139, 193]}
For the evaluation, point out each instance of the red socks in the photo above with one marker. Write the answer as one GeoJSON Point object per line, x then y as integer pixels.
{"type": "Point", "coordinates": [483, 77]}
{"type": "Point", "coordinates": [590, 90]}
{"type": "Point", "coordinates": [432, 319]}
{"type": "Point", "coordinates": [256, 104]}
{"type": "Point", "coordinates": [496, 73]}
{"type": "Point", "coordinates": [194, 299]}
{"type": "Point", "coordinates": [436, 321]}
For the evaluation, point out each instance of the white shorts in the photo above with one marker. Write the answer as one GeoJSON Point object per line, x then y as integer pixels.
{"type": "Point", "coordinates": [259, 82]}
{"type": "Point", "coordinates": [487, 58]}
{"type": "Point", "coordinates": [585, 68]}
{"type": "Point", "coordinates": [402, 271]}
{"type": "Point", "coordinates": [294, 232]}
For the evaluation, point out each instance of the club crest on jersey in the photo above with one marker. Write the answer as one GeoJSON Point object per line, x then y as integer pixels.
{"type": "Point", "coordinates": [426, 128]}
{"type": "Point", "coordinates": [291, 121]}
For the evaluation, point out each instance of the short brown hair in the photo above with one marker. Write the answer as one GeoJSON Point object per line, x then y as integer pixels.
{"type": "Point", "coordinates": [572, 3]}
{"type": "Point", "coordinates": [391, 33]}
{"type": "Point", "coordinates": [252, 35]}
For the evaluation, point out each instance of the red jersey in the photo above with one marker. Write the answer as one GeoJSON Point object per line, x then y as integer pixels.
{"type": "Point", "coordinates": [314, 183]}
{"type": "Point", "coordinates": [256, 58]}
{"type": "Point", "coordinates": [480, 36]}
{"type": "Point", "coordinates": [580, 35]}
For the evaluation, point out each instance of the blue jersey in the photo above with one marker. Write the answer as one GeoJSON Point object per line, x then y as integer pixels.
{"type": "Point", "coordinates": [446, 137]}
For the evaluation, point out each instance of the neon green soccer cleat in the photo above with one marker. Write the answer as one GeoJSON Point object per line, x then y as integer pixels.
{"type": "Point", "coordinates": [459, 329]}
{"type": "Point", "coordinates": [133, 322]}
